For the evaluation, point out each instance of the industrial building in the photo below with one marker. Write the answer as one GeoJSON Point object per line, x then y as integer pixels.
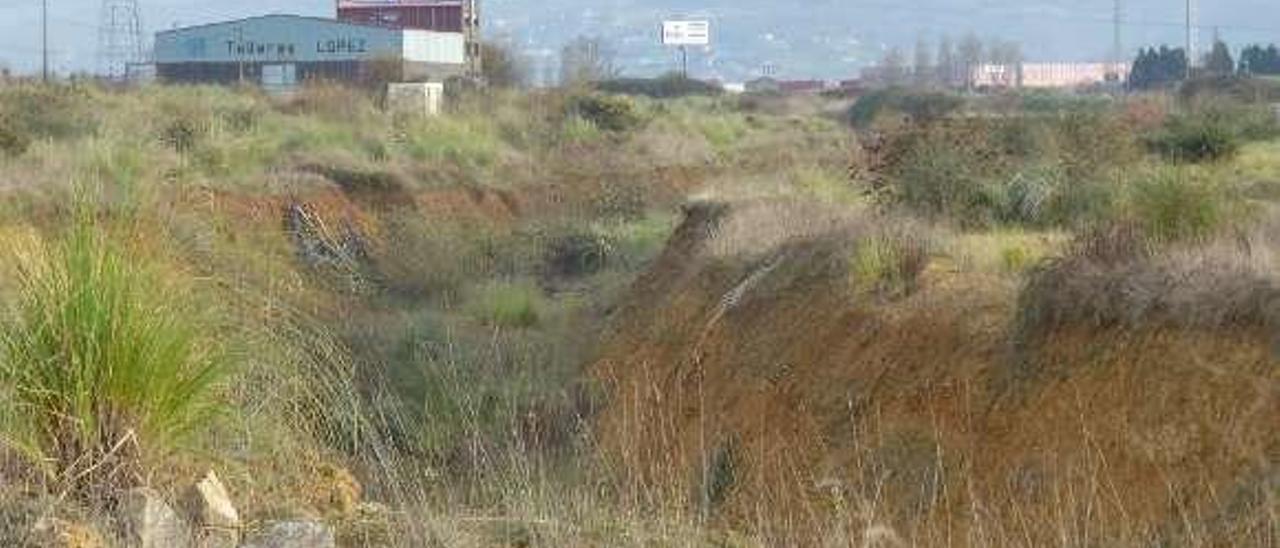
{"type": "Point", "coordinates": [1049, 75]}
{"type": "Point", "coordinates": [382, 41]}
{"type": "Point", "coordinates": [459, 16]}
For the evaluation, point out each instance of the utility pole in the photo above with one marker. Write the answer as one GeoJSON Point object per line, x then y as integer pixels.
{"type": "Point", "coordinates": [1118, 44]}
{"type": "Point", "coordinates": [44, 39]}
{"type": "Point", "coordinates": [1191, 41]}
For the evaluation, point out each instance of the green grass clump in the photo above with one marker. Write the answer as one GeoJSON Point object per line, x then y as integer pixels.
{"type": "Point", "coordinates": [101, 363]}
{"type": "Point", "coordinates": [888, 265]}
{"type": "Point", "coordinates": [508, 305]}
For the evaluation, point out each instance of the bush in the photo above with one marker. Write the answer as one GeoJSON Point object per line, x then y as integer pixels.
{"type": "Point", "coordinates": [1176, 205]}
{"type": "Point", "coordinates": [1195, 139]}
{"type": "Point", "coordinates": [920, 106]}
{"type": "Point", "coordinates": [12, 140]}
{"type": "Point", "coordinates": [613, 113]}
{"type": "Point", "coordinates": [1050, 171]}
{"type": "Point", "coordinates": [664, 87]}
{"type": "Point", "coordinates": [103, 364]}
{"type": "Point", "coordinates": [1212, 130]}
{"type": "Point", "coordinates": [573, 253]}
{"type": "Point", "coordinates": [46, 112]}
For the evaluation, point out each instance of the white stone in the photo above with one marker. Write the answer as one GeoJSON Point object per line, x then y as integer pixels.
{"type": "Point", "coordinates": [151, 523]}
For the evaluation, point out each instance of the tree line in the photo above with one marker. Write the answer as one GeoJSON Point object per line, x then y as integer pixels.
{"type": "Point", "coordinates": [950, 65]}
{"type": "Point", "coordinates": [1161, 67]}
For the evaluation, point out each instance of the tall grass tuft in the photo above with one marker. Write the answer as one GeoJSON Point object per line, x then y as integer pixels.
{"type": "Point", "coordinates": [102, 364]}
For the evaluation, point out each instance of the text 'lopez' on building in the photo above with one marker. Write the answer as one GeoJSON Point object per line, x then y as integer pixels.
{"type": "Point", "coordinates": [371, 40]}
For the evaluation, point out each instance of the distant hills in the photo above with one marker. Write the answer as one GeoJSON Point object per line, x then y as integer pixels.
{"type": "Point", "coordinates": [835, 38]}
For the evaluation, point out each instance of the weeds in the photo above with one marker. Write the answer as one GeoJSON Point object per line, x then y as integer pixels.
{"type": "Point", "coordinates": [1178, 205]}
{"type": "Point", "coordinates": [104, 363]}
{"type": "Point", "coordinates": [888, 265]}
{"type": "Point", "coordinates": [507, 305]}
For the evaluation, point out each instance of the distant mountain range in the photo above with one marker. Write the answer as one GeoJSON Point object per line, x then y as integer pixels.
{"type": "Point", "coordinates": [835, 38]}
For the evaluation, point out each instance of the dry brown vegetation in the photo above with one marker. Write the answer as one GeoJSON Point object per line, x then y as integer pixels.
{"type": "Point", "coordinates": [559, 319]}
{"type": "Point", "coordinates": [1124, 401]}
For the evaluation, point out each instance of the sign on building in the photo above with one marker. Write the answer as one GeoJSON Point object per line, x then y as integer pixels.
{"type": "Point", "coordinates": [686, 33]}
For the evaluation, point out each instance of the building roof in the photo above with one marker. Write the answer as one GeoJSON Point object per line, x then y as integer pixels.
{"type": "Point", "coordinates": [268, 17]}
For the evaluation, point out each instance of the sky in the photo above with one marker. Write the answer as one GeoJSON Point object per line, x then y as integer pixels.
{"type": "Point", "coordinates": [811, 38]}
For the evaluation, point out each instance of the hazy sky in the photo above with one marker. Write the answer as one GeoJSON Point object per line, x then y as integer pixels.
{"type": "Point", "coordinates": [1048, 29]}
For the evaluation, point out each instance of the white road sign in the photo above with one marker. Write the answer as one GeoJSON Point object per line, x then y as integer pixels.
{"type": "Point", "coordinates": [686, 33]}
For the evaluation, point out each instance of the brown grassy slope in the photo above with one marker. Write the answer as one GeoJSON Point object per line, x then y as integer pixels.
{"type": "Point", "coordinates": [753, 383]}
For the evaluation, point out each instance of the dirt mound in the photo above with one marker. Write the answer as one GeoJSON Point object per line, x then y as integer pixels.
{"type": "Point", "coordinates": [760, 385]}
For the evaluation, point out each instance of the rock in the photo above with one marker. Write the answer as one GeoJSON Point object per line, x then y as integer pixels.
{"type": "Point", "coordinates": [213, 514]}
{"type": "Point", "coordinates": [211, 505]}
{"type": "Point", "coordinates": [293, 534]}
{"type": "Point", "coordinates": [151, 523]}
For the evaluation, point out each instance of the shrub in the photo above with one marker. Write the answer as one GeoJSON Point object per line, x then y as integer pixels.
{"type": "Point", "coordinates": [939, 179]}
{"type": "Point", "coordinates": [47, 112]}
{"type": "Point", "coordinates": [182, 135]}
{"type": "Point", "coordinates": [1175, 204]}
{"type": "Point", "coordinates": [1195, 140]}
{"type": "Point", "coordinates": [1054, 102]}
{"type": "Point", "coordinates": [613, 113]}
{"type": "Point", "coordinates": [103, 363]}
{"type": "Point", "coordinates": [1026, 171]}
{"type": "Point", "coordinates": [12, 140]}
{"type": "Point", "coordinates": [572, 253]}
{"type": "Point", "coordinates": [920, 106]}
{"type": "Point", "coordinates": [1212, 130]}
{"type": "Point", "coordinates": [664, 87]}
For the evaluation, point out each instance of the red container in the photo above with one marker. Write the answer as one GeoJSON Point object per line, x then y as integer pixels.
{"type": "Point", "coordinates": [440, 15]}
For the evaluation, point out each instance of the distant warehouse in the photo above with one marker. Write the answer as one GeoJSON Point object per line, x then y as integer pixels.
{"type": "Point", "coordinates": [281, 51]}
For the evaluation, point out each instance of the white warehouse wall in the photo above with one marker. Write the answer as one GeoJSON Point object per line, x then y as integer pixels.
{"type": "Point", "coordinates": [446, 48]}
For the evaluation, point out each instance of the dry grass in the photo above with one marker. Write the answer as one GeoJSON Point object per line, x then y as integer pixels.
{"type": "Point", "coordinates": [852, 420]}
{"type": "Point", "coordinates": [791, 367]}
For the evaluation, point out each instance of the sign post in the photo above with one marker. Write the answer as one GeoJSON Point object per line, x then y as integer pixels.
{"type": "Point", "coordinates": [685, 33]}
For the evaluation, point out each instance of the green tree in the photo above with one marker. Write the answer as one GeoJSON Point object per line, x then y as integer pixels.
{"type": "Point", "coordinates": [946, 62]}
{"type": "Point", "coordinates": [971, 57]}
{"type": "Point", "coordinates": [1158, 68]}
{"type": "Point", "coordinates": [1219, 62]}
{"type": "Point", "coordinates": [1258, 60]}
{"type": "Point", "coordinates": [501, 67]}
{"type": "Point", "coordinates": [922, 65]}
{"type": "Point", "coordinates": [587, 60]}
